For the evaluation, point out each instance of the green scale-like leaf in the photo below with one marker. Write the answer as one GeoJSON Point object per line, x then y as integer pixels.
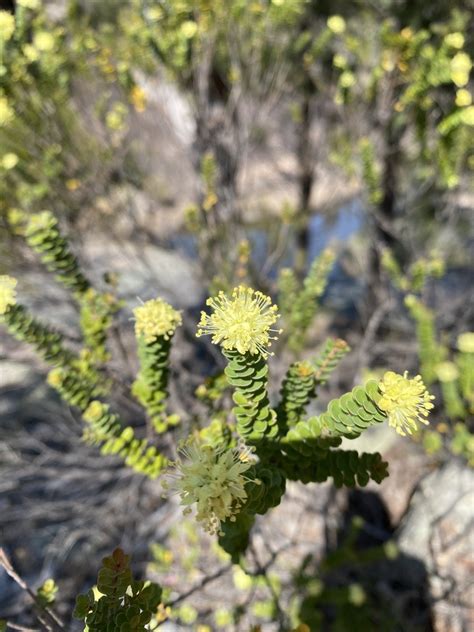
{"type": "Point", "coordinates": [354, 412]}
{"type": "Point", "coordinates": [47, 241]}
{"type": "Point", "coordinates": [151, 386]}
{"type": "Point", "coordinates": [248, 375]}
{"type": "Point", "coordinates": [48, 343]}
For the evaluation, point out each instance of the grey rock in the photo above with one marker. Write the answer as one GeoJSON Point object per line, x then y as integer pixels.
{"type": "Point", "coordinates": [438, 530]}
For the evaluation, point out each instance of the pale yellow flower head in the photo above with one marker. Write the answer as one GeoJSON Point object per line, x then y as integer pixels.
{"type": "Point", "coordinates": [447, 372]}
{"type": "Point", "coordinates": [212, 479]}
{"type": "Point", "coordinates": [189, 29]}
{"type": "Point", "coordinates": [336, 24]}
{"type": "Point", "coordinates": [29, 4]}
{"type": "Point", "coordinates": [44, 41]}
{"type": "Point", "coordinates": [466, 342]}
{"type": "Point", "coordinates": [95, 411]}
{"type": "Point", "coordinates": [156, 318]}
{"type": "Point", "coordinates": [9, 161]}
{"type": "Point", "coordinates": [55, 377]}
{"type": "Point", "coordinates": [456, 40]}
{"type": "Point", "coordinates": [7, 292]}
{"type": "Point", "coordinates": [7, 25]}
{"type": "Point", "coordinates": [6, 112]}
{"type": "Point", "coordinates": [406, 401]}
{"type": "Point", "coordinates": [463, 97]}
{"type": "Point", "coordinates": [242, 323]}
{"type": "Point", "coordinates": [460, 67]}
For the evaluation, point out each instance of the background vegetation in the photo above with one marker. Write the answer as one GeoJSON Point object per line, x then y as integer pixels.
{"type": "Point", "coordinates": [320, 152]}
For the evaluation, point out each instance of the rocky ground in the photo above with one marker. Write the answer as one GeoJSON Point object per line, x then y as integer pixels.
{"type": "Point", "coordinates": [61, 504]}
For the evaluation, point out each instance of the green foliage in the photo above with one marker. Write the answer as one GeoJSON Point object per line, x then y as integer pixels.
{"type": "Point", "coordinates": [76, 387]}
{"type": "Point", "coordinates": [299, 303]}
{"type": "Point", "coordinates": [42, 234]}
{"type": "Point", "coordinates": [351, 414]}
{"type": "Point", "coordinates": [416, 80]}
{"type": "Point", "coordinates": [151, 385]}
{"type": "Point", "coordinates": [430, 352]}
{"type": "Point", "coordinates": [106, 429]}
{"type": "Point", "coordinates": [418, 273]}
{"type": "Point", "coordinates": [325, 363]}
{"type": "Point", "coordinates": [46, 593]}
{"type": "Point", "coordinates": [371, 171]}
{"type": "Point", "coordinates": [297, 390]}
{"type": "Point", "coordinates": [50, 153]}
{"type": "Point", "coordinates": [96, 318]}
{"type": "Point", "coordinates": [248, 374]}
{"type": "Point", "coordinates": [421, 73]}
{"type": "Point", "coordinates": [303, 378]}
{"type": "Point", "coordinates": [180, 32]}
{"type": "Point", "coordinates": [47, 342]}
{"type": "Point", "coordinates": [123, 604]}
{"type": "Point", "coordinates": [462, 443]}
{"type": "Point", "coordinates": [339, 594]}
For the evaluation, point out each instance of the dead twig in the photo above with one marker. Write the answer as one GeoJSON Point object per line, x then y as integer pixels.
{"type": "Point", "coordinates": [51, 619]}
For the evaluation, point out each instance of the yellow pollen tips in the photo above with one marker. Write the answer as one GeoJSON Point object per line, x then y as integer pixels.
{"type": "Point", "coordinates": [156, 318]}
{"type": "Point", "coordinates": [213, 479]}
{"type": "Point", "coordinates": [406, 401]}
{"type": "Point", "coordinates": [242, 323]}
{"type": "Point", "coordinates": [7, 292]}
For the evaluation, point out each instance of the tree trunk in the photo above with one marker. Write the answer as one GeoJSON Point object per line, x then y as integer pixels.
{"type": "Point", "coordinates": [305, 182]}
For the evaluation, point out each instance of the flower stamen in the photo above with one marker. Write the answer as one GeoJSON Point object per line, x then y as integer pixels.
{"type": "Point", "coordinates": [156, 318]}
{"type": "Point", "coordinates": [406, 401]}
{"type": "Point", "coordinates": [242, 322]}
{"type": "Point", "coordinates": [212, 478]}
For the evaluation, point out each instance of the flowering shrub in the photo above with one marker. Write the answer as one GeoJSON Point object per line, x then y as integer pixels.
{"type": "Point", "coordinates": [227, 484]}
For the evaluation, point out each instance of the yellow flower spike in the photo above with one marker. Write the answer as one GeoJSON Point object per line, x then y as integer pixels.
{"type": "Point", "coordinates": [406, 401]}
{"type": "Point", "coordinates": [7, 292]}
{"type": "Point", "coordinates": [213, 479]}
{"type": "Point", "coordinates": [156, 318]}
{"type": "Point", "coordinates": [242, 323]}
{"type": "Point", "coordinates": [466, 342]}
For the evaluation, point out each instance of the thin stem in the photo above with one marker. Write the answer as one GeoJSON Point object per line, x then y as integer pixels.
{"type": "Point", "coordinates": [50, 615]}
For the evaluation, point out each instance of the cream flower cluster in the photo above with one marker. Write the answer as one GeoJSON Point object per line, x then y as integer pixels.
{"type": "Point", "coordinates": [242, 322]}
{"type": "Point", "coordinates": [213, 479]}
{"type": "Point", "coordinates": [156, 318]}
{"type": "Point", "coordinates": [406, 401]}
